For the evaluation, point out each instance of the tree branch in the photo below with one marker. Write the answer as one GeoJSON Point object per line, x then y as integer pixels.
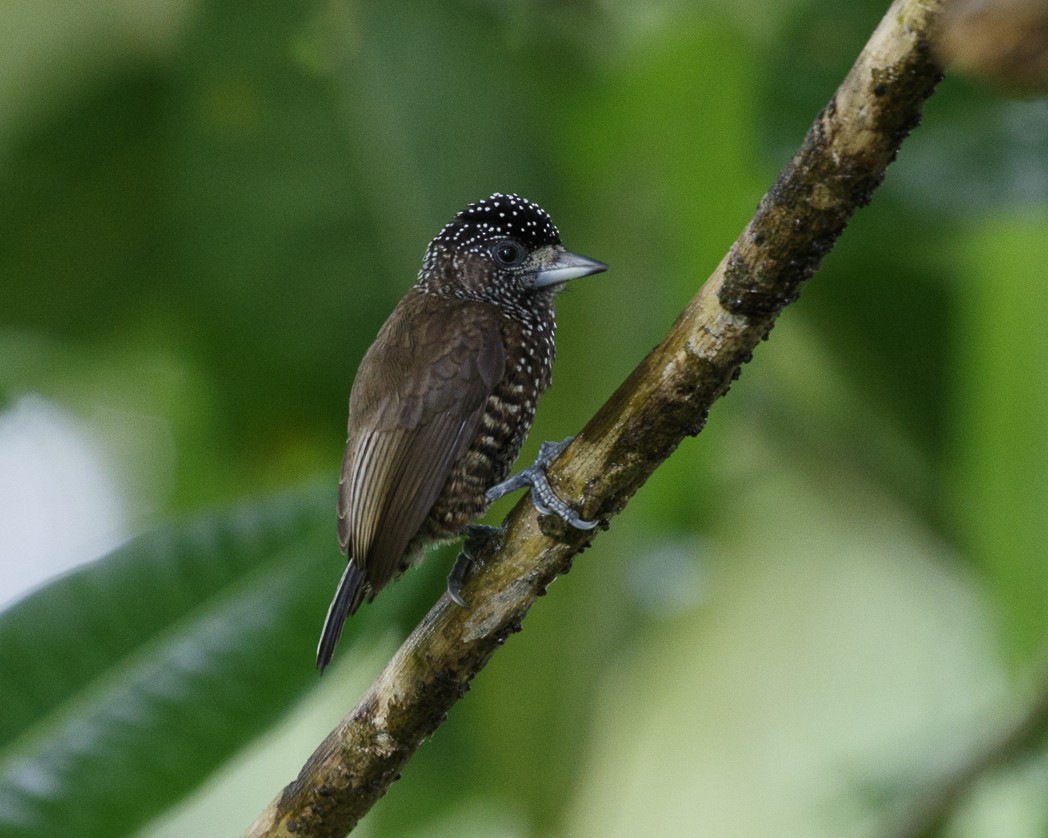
{"type": "Point", "coordinates": [1022, 732]}
{"type": "Point", "coordinates": [841, 162]}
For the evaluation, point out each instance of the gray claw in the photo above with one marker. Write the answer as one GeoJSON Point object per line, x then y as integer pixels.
{"type": "Point", "coordinates": [455, 590]}
{"type": "Point", "coordinates": [543, 498]}
{"type": "Point", "coordinates": [476, 536]}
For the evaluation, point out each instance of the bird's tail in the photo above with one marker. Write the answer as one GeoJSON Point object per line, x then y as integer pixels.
{"type": "Point", "coordinates": [352, 588]}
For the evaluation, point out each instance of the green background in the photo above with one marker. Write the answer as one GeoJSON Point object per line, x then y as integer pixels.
{"type": "Point", "coordinates": [815, 607]}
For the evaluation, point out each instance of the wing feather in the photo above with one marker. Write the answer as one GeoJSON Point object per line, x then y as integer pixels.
{"type": "Point", "coordinates": [413, 413]}
{"type": "Point", "coordinates": [424, 469]}
{"type": "Point", "coordinates": [369, 482]}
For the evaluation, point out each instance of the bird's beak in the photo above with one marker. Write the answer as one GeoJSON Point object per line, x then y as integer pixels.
{"type": "Point", "coordinates": [567, 266]}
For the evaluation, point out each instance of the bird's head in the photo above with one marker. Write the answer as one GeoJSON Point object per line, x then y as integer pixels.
{"type": "Point", "coordinates": [503, 250]}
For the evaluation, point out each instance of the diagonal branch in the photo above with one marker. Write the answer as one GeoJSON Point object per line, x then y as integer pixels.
{"type": "Point", "coordinates": [841, 162]}
{"type": "Point", "coordinates": [1007, 743]}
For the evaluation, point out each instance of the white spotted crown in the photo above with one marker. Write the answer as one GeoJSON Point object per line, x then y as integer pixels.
{"type": "Point", "coordinates": [500, 216]}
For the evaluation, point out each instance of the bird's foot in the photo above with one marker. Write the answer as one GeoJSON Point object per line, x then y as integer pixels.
{"type": "Point", "coordinates": [476, 537]}
{"type": "Point", "coordinates": [543, 498]}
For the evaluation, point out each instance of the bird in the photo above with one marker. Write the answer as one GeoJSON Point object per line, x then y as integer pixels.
{"type": "Point", "coordinates": [445, 396]}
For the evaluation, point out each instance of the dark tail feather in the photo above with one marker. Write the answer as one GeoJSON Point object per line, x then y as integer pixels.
{"type": "Point", "coordinates": [351, 590]}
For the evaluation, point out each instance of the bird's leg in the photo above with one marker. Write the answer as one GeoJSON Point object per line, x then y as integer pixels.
{"type": "Point", "coordinates": [477, 536]}
{"type": "Point", "coordinates": [543, 498]}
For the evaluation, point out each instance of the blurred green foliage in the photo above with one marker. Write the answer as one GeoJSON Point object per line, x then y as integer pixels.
{"type": "Point", "coordinates": [209, 209]}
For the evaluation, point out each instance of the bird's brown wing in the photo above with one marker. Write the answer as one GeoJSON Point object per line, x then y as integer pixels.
{"type": "Point", "coordinates": [416, 406]}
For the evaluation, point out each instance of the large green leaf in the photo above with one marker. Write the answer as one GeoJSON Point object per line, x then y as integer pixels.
{"type": "Point", "coordinates": [128, 681]}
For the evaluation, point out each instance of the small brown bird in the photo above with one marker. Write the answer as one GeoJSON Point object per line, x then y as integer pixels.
{"type": "Point", "coordinates": [445, 396]}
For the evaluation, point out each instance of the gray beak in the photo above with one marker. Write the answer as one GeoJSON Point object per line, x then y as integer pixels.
{"type": "Point", "coordinates": [568, 266]}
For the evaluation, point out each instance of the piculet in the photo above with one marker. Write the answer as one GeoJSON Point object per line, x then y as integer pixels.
{"type": "Point", "coordinates": [445, 396]}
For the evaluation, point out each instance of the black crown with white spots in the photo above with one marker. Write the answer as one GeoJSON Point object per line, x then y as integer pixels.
{"type": "Point", "coordinates": [500, 216]}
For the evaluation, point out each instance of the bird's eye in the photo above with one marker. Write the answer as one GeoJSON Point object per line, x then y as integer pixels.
{"type": "Point", "coordinates": [507, 253]}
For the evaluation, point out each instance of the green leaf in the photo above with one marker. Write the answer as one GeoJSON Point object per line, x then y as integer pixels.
{"type": "Point", "coordinates": [128, 681]}
{"type": "Point", "coordinates": [1002, 407]}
